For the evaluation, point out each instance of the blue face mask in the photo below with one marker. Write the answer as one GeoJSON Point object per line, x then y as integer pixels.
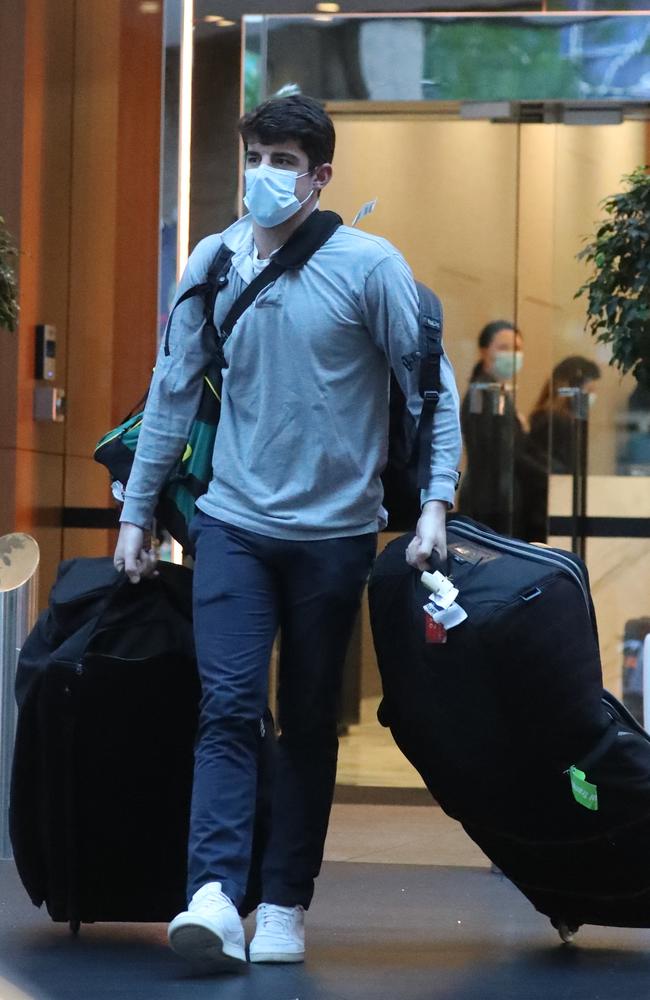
{"type": "Point", "coordinates": [507, 364]}
{"type": "Point", "coordinates": [271, 194]}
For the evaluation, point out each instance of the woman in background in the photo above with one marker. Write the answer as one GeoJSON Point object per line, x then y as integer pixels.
{"type": "Point", "coordinates": [500, 474]}
{"type": "Point", "coordinates": [551, 440]}
{"type": "Point", "coordinates": [551, 419]}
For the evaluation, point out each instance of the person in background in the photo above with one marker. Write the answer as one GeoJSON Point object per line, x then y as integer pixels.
{"type": "Point", "coordinates": [501, 354]}
{"type": "Point", "coordinates": [551, 418]}
{"type": "Point", "coordinates": [499, 474]}
{"type": "Point", "coordinates": [550, 441]}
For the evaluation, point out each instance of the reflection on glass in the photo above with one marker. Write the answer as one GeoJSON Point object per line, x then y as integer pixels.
{"type": "Point", "coordinates": [253, 63]}
{"type": "Point", "coordinates": [568, 57]}
{"type": "Point", "coordinates": [535, 59]}
{"type": "Point", "coordinates": [633, 442]}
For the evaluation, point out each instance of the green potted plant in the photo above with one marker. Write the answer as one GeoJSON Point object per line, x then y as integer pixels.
{"type": "Point", "coordinates": [8, 284]}
{"type": "Point", "coordinates": [618, 304]}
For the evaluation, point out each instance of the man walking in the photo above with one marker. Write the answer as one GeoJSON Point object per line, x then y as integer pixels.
{"type": "Point", "coordinates": [286, 534]}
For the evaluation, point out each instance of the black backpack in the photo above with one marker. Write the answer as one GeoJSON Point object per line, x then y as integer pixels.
{"type": "Point", "coordinates": [409, 444]}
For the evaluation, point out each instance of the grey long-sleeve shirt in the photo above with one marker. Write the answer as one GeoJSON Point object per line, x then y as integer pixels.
{"type": "Point", "coordinates": [303, 434]}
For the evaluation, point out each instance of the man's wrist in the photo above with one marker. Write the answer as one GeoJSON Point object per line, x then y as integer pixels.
{"type": "Point", "coordinates": [438, 505]}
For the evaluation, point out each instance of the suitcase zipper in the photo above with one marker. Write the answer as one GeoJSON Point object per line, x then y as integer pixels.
{"type": "Point", "coordinates": [558, 559]}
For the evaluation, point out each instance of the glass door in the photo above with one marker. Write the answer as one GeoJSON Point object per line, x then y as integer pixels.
{"type": "Point", "coordinates": [597, 422]}
{"type": "Point", "coordinates": [446, 197]}
{"type": "Point", "coordinates": [471, 132]}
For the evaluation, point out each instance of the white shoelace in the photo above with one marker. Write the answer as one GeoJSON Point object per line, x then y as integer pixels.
{"type": "Point", "coordinates": [273, 918]}
{"type": "Point", "coordinates": [210, 899]}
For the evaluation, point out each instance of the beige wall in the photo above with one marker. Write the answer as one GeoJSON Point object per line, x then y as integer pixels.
{"type": "Point", "coordinates": [83, 86]}
{"type": "Point", "coordinates": [445, 195]}
{"type": "Point", "coordinates": [568, 172]}
{"type": "Point", "coordinates": [565, 174]}
{"type": "Point", "coordinates": [492, 216]}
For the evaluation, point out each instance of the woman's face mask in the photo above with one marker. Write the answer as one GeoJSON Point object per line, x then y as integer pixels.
{"type": "Point", "coordinates": [271, 194]}
{"type": "Point", "coordinates": [507, 364]}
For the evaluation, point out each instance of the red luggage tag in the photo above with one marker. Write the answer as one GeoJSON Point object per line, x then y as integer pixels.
{"type": "Point", "coordinates": [434, 632]}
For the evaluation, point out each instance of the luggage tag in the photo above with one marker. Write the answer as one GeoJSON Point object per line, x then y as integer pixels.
{"type": "Point", "coordinates": [365, 209]}
{"type": "Point", "coordinates": [584, 792]}
{"type": "Point", "coordinates": [441, 613]}
{"type": "Point", "coordinates": [434, 632]}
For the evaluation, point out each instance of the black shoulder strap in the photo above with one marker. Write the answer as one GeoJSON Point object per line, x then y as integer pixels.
{"type": "Point", "coordinates": [215, 280]}
{"type": "Point", "coordinates": [301, 245]}
{"type": "Point", "coordinates": [430, 386]}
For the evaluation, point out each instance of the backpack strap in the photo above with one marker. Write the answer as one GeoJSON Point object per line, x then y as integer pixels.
{"type": "Point", "coordinates": [215, 280]}
{"type": "Point", "coordinates": [430, 386]}
{"type": "Point", "coordinates": [301, 245]}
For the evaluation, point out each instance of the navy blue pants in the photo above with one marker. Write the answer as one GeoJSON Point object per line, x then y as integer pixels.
{"type": "Point", "coordinates": [246, 587]}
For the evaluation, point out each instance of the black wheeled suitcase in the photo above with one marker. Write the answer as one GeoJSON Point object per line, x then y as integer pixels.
{"type": "Point", "coordinates": [506, 720]}
{"type": "Point", "coordinates": [108, 698]}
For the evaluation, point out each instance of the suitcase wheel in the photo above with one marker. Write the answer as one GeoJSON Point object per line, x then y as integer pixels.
{"type": "Point", "coordinates": [566, 930]}
{"type": "Point", "coordinates": [75, 926]}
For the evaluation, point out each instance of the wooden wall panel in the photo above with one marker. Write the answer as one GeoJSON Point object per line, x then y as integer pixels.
{"type": "Point", "coordinates": [12, 26]}
{"type": "Point", "coordinates": [115, 221]}
{"type": "Point", "coordinates": [43, 137]}
{"type": "Point", "coordinates": [92, 259]}
{"type": "Point", "coordinates": [45, 224]}
{"type": "Point", "coordinates": [8, 460]}
{"type": "Point", "coordinates": [137, 222]}
{"type": "Point", "coordinates": [80, 109]}
{"type": "Point", "coordinates": [38, 484]}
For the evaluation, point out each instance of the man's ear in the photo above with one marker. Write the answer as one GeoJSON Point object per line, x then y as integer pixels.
{"type": "Point", "coordinates": [323, 176]}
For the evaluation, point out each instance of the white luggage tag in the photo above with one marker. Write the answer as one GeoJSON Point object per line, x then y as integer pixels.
{"type": "Point", "coordinates": [443, 591]}
{"type": "Point", "coordinates": [364, 210]}
{"type": "Point", "coordinates": [442, 608]}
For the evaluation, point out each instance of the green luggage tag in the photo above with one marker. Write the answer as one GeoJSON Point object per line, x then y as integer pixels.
{"type": "Point", "coordinates": [584, 792]}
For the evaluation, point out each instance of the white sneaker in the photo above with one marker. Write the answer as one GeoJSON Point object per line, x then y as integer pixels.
{"type": "Point", "coordinates": [209, 933]}
{"type": "Point", "coordinates": [280, 934]}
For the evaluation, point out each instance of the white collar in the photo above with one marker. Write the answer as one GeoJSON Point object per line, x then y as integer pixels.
{"type": "Point", "coordinates": [239, 239]}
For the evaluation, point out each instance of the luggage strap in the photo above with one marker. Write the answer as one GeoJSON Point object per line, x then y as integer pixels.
{"type": "Point", "coordinates": [551, 557]}
{"type": "Point", "coordinates": [216, 279]}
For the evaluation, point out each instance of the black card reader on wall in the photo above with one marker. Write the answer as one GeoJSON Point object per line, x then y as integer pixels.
{"type": "Point", "coordinates": [45, 352]}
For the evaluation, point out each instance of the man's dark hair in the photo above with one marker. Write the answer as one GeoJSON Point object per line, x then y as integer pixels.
{"type": "Point", "coordinates": [281, 119]}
